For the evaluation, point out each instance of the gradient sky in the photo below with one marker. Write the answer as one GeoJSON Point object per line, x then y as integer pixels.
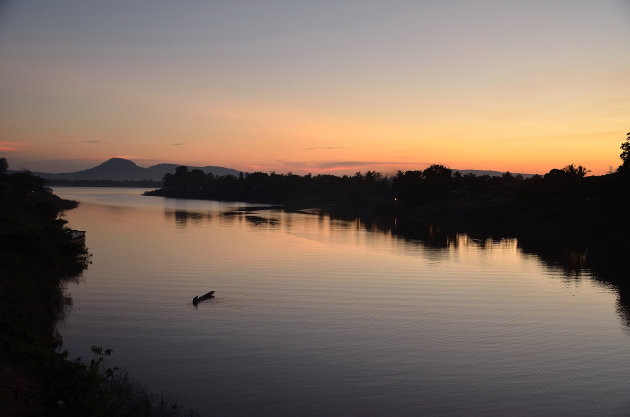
{"type": "Point", "coordinates": [314, 86]}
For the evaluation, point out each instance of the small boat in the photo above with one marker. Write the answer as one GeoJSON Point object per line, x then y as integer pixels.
{"type": "Point", "coordinates": [196, 300]}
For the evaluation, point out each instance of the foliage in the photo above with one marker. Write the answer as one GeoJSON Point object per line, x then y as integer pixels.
{"type": "Point", "coordinates": [565, 198]}
{"type": "Point", "coordinates": [4, 166]}
{"type": "Point", "coordinates": [436, 185]}
{"type": "Point", "coordinates": [360, 190]}
{"type": "Point", "coordinates": [624, 168]}
{"type": "Point", "coordinates": [81, 389]}
{"type": "Point", "coordinates": [38, 256]}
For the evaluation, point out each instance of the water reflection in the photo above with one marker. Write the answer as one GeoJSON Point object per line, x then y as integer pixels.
{"type": "Point", "coordinates": [369, 316]}
{"type": "Point", "coordinates": [262, 221]}
{"type": "Point", "coordinates": [603, 262]}
{"type": "Point", "coordinates": [183, 217]}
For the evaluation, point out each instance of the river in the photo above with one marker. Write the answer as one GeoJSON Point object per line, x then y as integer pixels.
{"type": "Point", "coordinates": [317, 316]}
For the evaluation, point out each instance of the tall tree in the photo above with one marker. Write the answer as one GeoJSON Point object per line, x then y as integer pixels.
{"type": "Point", "coordinates": [625, 156]}
{"type": "Point", "coordinates": [574, 171]}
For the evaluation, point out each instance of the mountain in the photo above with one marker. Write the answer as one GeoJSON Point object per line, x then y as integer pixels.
{"type": "Point", "coordinates": [119, 169]}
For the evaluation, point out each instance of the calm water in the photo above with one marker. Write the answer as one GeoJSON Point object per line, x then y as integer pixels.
{"type": "Point", "coordinates": [321, 317]}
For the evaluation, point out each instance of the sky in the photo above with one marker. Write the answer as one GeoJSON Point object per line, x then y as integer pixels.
{"type": "Point", "coordinates": [315, 86]}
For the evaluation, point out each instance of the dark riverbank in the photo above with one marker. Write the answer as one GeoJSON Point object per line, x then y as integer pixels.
{"type": "Point", "coordinates": [39, 256]}
{"type": "Point", "coordinates": [563, 201]}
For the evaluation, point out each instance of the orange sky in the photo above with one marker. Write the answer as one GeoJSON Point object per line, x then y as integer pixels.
{"type": "Point", "coordinates": [326, 87]}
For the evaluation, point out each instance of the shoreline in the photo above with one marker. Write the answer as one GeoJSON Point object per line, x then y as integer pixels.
{"type": "Point", "coordinates": [39, 254]}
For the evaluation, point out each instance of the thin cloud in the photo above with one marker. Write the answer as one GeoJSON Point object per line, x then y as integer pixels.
{"type": "Point", "coordinates": [296, 164]}
{"type": "Point", "coordinates": [326, 148]}
{"type": "Point", "coordinates": [6, 146]}
{"type": "Point", "coordinates": [124, 156]}
{"type": "Point", "coordinates": [177, 144]}
{"type": "Point", "coordinates": [350, 164]}
{"type": "Point", "coordinates": [334, 166]}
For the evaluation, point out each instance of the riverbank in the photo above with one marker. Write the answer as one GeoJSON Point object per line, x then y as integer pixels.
{"type": "Point", "coordinates": [39, 256]}
{"type": "Point", "coordinates": [563, 201]}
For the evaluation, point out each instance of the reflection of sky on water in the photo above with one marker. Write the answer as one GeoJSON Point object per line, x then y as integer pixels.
{"type": "Point", "coordinates": [132, 197]}
{"type": "Point", "coordinates": [314, 314]}
{"type": "Point", "coordinates": [431, 241]}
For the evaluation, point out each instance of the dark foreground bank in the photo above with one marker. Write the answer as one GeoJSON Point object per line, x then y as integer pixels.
{"type": "Point", "coordinates": [38, 257]}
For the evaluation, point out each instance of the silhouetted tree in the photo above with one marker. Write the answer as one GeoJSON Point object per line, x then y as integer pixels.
{"type": "Point", "coordinates": [4, 166]}
{"type": "Point", "coordinates": [26, 183]}
{"type": "Point", "coordinates": [407, 187]}
{"type": "Point", "coordinates": [574, 171]}
{"type": "Point", "coordinates": [181, 171]}
{"type": "Point", "coordinates": [437, 182]}
{"type": "Point", "coordinates": [568, 173]}
{"type": "Point", "coordinates": [437, 172]}
{"type": "Point", "coordinates": [624, 168]}
{"type": "Point", "coordinates": [560, 195]}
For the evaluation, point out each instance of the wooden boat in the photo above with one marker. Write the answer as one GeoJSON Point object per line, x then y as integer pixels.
{"type": "Point", "coordinates": [196, 300]}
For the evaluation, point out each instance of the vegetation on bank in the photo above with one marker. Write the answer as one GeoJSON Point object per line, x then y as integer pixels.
{"type": "Point", "coordinates": [565, 198]}
{"type": "Point", "coordinates": [38, 257]}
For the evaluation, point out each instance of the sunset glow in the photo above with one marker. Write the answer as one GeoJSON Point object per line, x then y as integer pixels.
{"type": "Point", "coordinates": [326, 87]}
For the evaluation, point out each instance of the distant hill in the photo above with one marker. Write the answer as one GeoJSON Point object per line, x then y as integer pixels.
{"type": "Point", "coordinates": [119, 169]}
{"type": "Point", "coordinates": [479, 173]}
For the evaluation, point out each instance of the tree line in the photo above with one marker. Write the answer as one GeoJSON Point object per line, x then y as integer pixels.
{"type": "Point", "coordinates": [435, 185]}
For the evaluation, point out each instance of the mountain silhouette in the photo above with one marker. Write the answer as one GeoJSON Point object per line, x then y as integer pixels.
{"type": "Point", "coordinates": [120, 169]}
